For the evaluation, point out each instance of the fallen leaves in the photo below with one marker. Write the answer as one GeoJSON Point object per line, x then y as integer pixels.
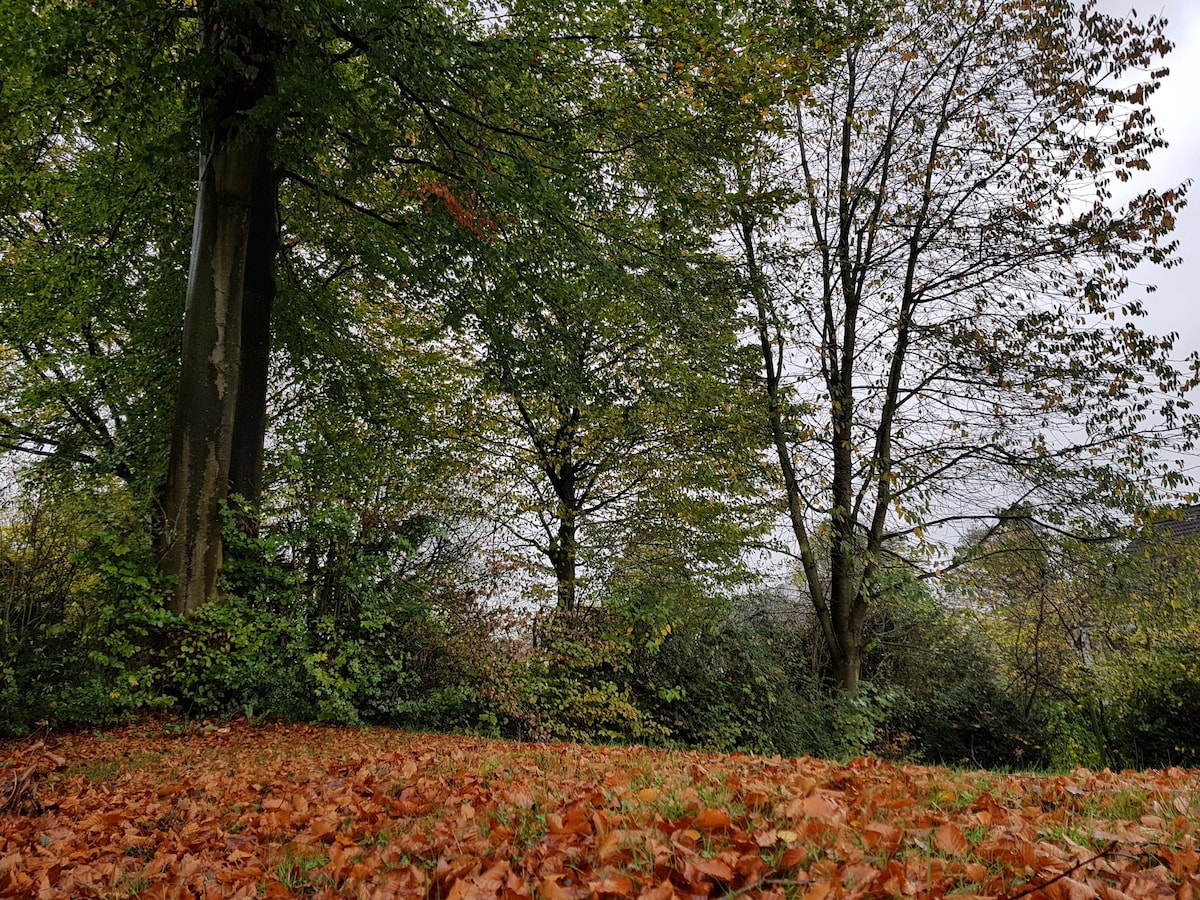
{"type": "Point", "coordinates": [289, 811]}
{"type": "Point", "coordinates": [950, 840]}
{"type": "Point", "coordinates": [19, 794]}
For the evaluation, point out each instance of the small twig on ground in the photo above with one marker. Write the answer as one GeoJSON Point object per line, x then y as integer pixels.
{"type": "Point", "coordinates": [1066, 873]}
{"type": "Point", "coordinates": [19, 794]}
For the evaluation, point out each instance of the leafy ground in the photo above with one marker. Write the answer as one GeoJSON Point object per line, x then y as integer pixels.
{"type": "Point", "coordinates": [283, 811]}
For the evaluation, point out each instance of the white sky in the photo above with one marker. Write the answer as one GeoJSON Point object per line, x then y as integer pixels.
{"type": "Point", "coordinates": [1176, 106]}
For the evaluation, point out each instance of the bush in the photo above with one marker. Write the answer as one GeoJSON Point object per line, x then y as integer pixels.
{"type": "Point", "coordinates": [1152, 713]}
{"type": "Point", "coordinates": [81, 610]}
{"type": "Point", "coordinates": [574, 684]}
{"type": "Point", "coordinates": [951, 705]}
{"type": "Point", "coordinates": [741, 681]}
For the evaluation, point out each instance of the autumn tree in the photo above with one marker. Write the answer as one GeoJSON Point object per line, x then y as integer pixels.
{"type": "Point", "coordinates": [488, 122]}
{"type": "Point", "coordinates": [938, 268]}
{"type": "Point", "coordinates": [231, 287]}
{"type": "Point", "coordinates": [1092, 632]}
{"type": "Point", "coordinates": [1142, 642]}
{"type": "Point", "coordinates": [612, 393]}
{"type": "Point", "coordinates": [388, 122]}
{"type": "Point", "coordinates": [1035, 591]}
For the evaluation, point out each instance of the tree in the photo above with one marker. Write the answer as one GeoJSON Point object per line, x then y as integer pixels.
{"type": "Point", "coordinates": [1140, 644]}
{"type": "Point", "coordinates": [604, 318]}
{"type": "Point", "coordinates": [387, 120]}
{"type": "Point", "coordinates": [1035, 591]}
{"type": "Point", "coordinates": [334, 139]}
{"type": "Point", "coordinates": [451, 108]}
{"type": "Point", "coordinates": [94, 219]}
{"type": "Point", "coordinates": [610, 407]}
{"type": "Point", "coordinates": [936, 265]}
{"type": "Point", "coordinates": [231, 287]}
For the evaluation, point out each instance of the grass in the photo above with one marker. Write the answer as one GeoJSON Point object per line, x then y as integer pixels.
{"type": "Point", "coordinates": [109, 770]}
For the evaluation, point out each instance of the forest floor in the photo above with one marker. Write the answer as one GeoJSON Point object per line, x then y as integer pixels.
{"type": "Point", "coordinates": [238, 810]}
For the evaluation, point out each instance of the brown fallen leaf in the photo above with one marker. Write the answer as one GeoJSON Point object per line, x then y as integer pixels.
{"type": "Point", "coordinates": [612, 884]}
{"type": "Point", "coordinates": [285, 810]}
{"type": "Point", "coordinates": [709, 819]}
{"type": "Point", "coordinates": [950, 839]}
{"type": "Point", "coordinates": [819, 807]}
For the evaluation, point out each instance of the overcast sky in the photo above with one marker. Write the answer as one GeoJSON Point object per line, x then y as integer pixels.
{"type": "Point", "coordinates": [1176, 106]}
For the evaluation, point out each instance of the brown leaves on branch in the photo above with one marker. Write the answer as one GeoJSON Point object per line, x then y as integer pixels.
{"type": "Point", "coordinates": [291, 811]}
{"type": "Point", "coordinates": [466, 214]}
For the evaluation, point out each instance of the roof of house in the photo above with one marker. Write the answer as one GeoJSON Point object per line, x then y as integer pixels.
{"type": "Point", "coordinates": [1185, 522]}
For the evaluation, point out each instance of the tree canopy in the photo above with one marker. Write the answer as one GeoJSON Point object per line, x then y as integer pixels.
{"type": "Point", "coordinates": [471, 310]}
{"type": "Point", "coordinates": [941, 299]}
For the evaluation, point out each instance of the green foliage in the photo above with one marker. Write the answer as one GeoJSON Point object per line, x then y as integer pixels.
{"type": "Point", "coordinates": [1095, 640]}
{"type": "Point", "coordinates": [95, 199]}
{"type": "Point", "coordinates": [1145, 671]}
{"type": "Point", "coordinates": [735, 685]}
{"type": "Point", "coordinates": [95, 644]}
{"type": "Point", "coordinates": [859, 715]}
{"type": "Point", "coordinates": [83, 609]}
{"type": "Point", "coordinates": [1156, 726]}
{"type": "Point", "coordinates": [742, 678]}
{"type": "Point", "coordinates": [962, 715]}
{"type": "Point", "coordinates": [41, 576]}
{"type": "Point", "coordinates": [575, 683]}
{"type": "Point", "coordinates": [608, 412]}
{"type": "Point", "coordinates": [230, 656]}
{"type": "Point", "coordinates": [501, 303]}
{"type": "Point", "coordinates": [953, 705]}
{"type": "Point", "coordinates": [355, 644]}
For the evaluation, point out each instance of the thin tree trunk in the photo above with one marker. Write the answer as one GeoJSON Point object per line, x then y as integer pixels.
{"type": "Point", "coordinates": [564, 546]}
{"type": "Point", "coordinates": [841, 613]}
{"type": "Point", "coordinates": [563, 554]}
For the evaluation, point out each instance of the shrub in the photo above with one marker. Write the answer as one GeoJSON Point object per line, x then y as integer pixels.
{"type": "Point", "coordinates": [951, 704]}
{"type": "Point", "coordinates": [81, 609]}
{"type": "Point", "coordinates": [574, 684]}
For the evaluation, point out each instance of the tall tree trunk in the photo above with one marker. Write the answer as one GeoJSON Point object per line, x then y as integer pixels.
{"type": "Point", "coordinates": [232, 169]}
{"type": "Point", "coordinates": [258, 300]}
{"type": "Point", "coordinates": [847, 667]}
{"type": "Point", "coordinates": [841, 612]}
